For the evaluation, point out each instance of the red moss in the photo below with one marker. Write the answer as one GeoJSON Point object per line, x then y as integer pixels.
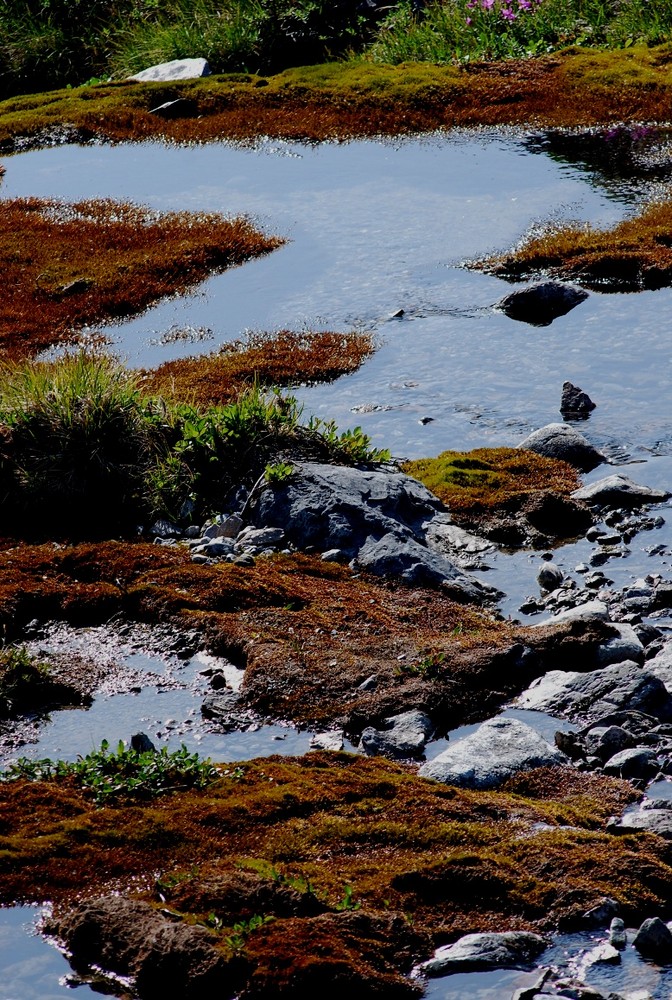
{"type": "Point", "coordinates": [283, 358]}
{"type": "Point", "coordinates": [67, 266]}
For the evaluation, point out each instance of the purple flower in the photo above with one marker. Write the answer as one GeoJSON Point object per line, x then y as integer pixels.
{"type": "Point", "coordinates": [508, 14]}
{"type": "Point", "coordinates": [524, 5]}
{"type": "Point", "coordinates": [467, 20]}
{"type": "Point", "coordinates": [487, 4]}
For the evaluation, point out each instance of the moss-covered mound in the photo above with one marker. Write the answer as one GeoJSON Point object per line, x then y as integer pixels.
{"type": "Point", "coordinates": [634, 255]}
{"type": "Point", "coordinates": [279, 359]}
{"type": "Point", "coordinates": [512, 495]}
{"type": "Point", "coordinates": [576, 87]}
{"type": "Point", "coordinates": [67, 266]}
{"type": "Point", "coordinates": [335, 834]}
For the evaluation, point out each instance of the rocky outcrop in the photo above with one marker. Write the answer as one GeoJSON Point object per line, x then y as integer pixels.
{"type": "Point", "coordinates": [497, 750]}
{"type": "Point", "coordinates": [377, 519]}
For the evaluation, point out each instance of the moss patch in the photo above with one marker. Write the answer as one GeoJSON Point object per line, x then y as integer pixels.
{"type": "Point", "coordinates": [633, 255]}
{"type": "Point", "coordinates": [356, 99]}
{"type": "Point", "coordinates": [66, 266]}
{"type": "Point", "coordinates": [307, 631]}
{"type": "Point", "coordinates": [512, 495]}
{"type": "Point", "coordinates": [457, 861]}
{"type": "Point", "coordinates": [281, 359]}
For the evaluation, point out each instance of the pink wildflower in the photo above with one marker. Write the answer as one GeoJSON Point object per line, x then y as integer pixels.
{"type": "Point", "coordinates": [524, 5]}
{"type": "Point", "coordinates": [508, 14]}
{"type": "Point", "coordinates": [467, 20]}
{"type": "Point", "coordinates": [487, 4]}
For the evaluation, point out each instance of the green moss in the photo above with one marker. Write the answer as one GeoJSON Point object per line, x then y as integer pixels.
{"type": "Point", "coordinates": [490, 477]}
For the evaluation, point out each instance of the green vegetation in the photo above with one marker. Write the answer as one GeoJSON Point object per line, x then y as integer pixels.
{"type": "Point", "coordinates": [489, 477]}
{"type": "Point", "coordinates": [22, 679]}
{"type": "Point", "coordinates": [50, 43]}
{"type": "Point", "coordinates": [78, 438]}
{"type": "Point", "coordinates": [122, 773]}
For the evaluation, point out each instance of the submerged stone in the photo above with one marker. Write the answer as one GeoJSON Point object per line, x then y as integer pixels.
{"type": "Point", "coordinates": [539, 304]}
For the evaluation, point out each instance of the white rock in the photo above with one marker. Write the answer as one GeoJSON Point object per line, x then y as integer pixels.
{"type": "Point", "coordinates": [177, 69]}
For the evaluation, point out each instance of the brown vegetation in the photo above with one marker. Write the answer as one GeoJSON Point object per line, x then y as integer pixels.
{"type": "Point", "coordinates": [65, 266]}
{"type": "Point", "coordinates": [454, 861]}
{"type": "Point", "coordinates": [280, 359]}
{"type": "Point", "coordinates": [291, 620]}
{"type": "Point", "coordinates": [635, 254]}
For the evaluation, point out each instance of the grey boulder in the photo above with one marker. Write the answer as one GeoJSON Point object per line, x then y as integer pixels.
{"type": "Point", "coordinates": [654, 940]}
{"type": "Point", "coordinates": [637, 762]}
{"type": "Point", "coordinates": [539, 304]}
{"type": "Point", "coordinates": [576, 696]}
{"type": "Point", "coordinates": [378, 519]}
{"type": "Point", "coordinates": [624, 646]}
{"type": "Point", "coordinates": [402, 736]}
{"type": "Point", "coordinates": [565, 443]}
{"type": "Point", "coordinates": [658, 821]}
{"type": "Point", "coordinates": [619, 491]}
{"type": "Point", "coordinates": [176, 69]}
{"type": "Point", "coordinates": [475, 952]}
{"type": "Point", "coordinates": [497, 750]}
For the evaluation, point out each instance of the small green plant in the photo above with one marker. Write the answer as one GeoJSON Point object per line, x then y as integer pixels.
{"type": "Point", "coordinates": [430, 666]}
{"type": "Point", "coordinates": [20, 675]}
{"type": "Point", "coordinates": [112, 775]}
{"type": "Point", "coordinates": [348, 902]}
{"type": "Point", "coordinates": [278, 472]}
{"type": "Point", "coordinates": [241, 931]}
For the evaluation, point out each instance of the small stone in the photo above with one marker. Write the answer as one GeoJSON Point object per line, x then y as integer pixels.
{"type": "Point", "coordinates": [617, 934]}
{"type": "Point", "coordinates": [334, 555]}
{"type": "Point", "coordinates": [369, 684]}
{"type": "Point", "coordinates": [141, 743]}
{"type": "Point", "coordinates": [539, 304]}
{"type": "Point", "coordinates": [575, 403]}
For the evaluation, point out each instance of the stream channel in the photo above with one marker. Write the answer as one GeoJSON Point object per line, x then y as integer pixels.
{"type": "Point", "coordinates": [374, 228]}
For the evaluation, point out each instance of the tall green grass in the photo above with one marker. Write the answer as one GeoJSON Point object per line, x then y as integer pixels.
{"type": "Point", "coordinates": [84, 453]}
{"type": "Point", "coordinates": [462, 30]}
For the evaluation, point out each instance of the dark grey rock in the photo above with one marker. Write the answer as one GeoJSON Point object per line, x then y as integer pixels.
{"type": "Point", "coordinates": [497, 750]}
{"type": "Point", "coordinates": [605, 741]}
{"type": "Point", "coordinates": [600, 915]}
{"type": "Point", "coordinates": [401, 737]}
{"type": "Point", "coordinates": [575, 404]}
{"type": "Point", "coordinates": [176, 69]}
{"type": "Point", "coordinates": [619, 491]}
{"type": "Point", "coordinates": [637, 762]}
{"type": "Point", "coordinates": [475, 952]}
{"type": "Point", "coordinates": [618, 936]}
{"type": "Point", "coordinates": [588, 696]}
{"type": "Point", "coordinates": [261, 537]}
{"type": "Point", "coordinates": [624, 646]}
{"type": "Point", "coordinates": [539, 304]}
{"type": "Point", "coordinates": [654, 940]}
{"type": "Point", "coordinates": [658, 821]}
{"type": "Point", "coordinates": [378, 518]}
{"type": "Point", "coordinates": [565, 443]}
{"type": "Point", "coordinates": [141, 743]}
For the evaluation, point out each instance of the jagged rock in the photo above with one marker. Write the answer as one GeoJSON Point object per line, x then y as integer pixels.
{"type": "Point", "coordinates": [565, 443]}
{"type": "Point", "coordinates": [378, 518]}
{"type": "Point", "coordinates": [403, 736]}
{"type": "Point", "coordinates": [654, 940]}
{"type": "Point", "coordinates": [176, 69]}
{"type": "Point", "coordinates": [497, 750]}
{"type": "Point", "coordinates": [475, 952]}
{"type": "Point", "coordinates": [575, 403]}
{"type": "Point", "coordinates": [141, 743]}
{"type": "Point", "coordinates": [619, 491]}
{"type": "Point", "coordinates": [584, 696]}
{"type": "Point", "coordinates": [539, 304]}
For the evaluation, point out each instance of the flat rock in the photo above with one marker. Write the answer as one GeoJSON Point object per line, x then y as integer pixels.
{"type": "Point", "coordinates": [539, 304]}
{"type": "Point", "coordinates": [590, 611]}
{"type": "Point", "coordinates": [402, 736]}
{"type": "Point", "coordinates": [415, 564]}
{"type": "Point", "coordinates": [176, 69]}
{"type": "Point", "coordinates": [658, 821]}
{"type": "Point", "coordinates": [475, 952]}
{"type": "Point", "coordinates": [589, 696]}
{"type": "Point", "coordinates": [564, 443]}
{"type": "Point", "coordinates": [497, 750]}
{"type": "Point", "coordinates": [619, 491]}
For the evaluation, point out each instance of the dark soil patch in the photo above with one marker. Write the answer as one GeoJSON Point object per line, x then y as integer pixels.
{"type": "Point", "coordinates": [634, 255]}
{"type": "Point", "coordinates": [510, 495]}
{"type": "Point", "coordinates": [67, 266]}
{"type": "Point", "coordinates": [308, 631]}
{"type": "Point", "coordinates": [280, 359]}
